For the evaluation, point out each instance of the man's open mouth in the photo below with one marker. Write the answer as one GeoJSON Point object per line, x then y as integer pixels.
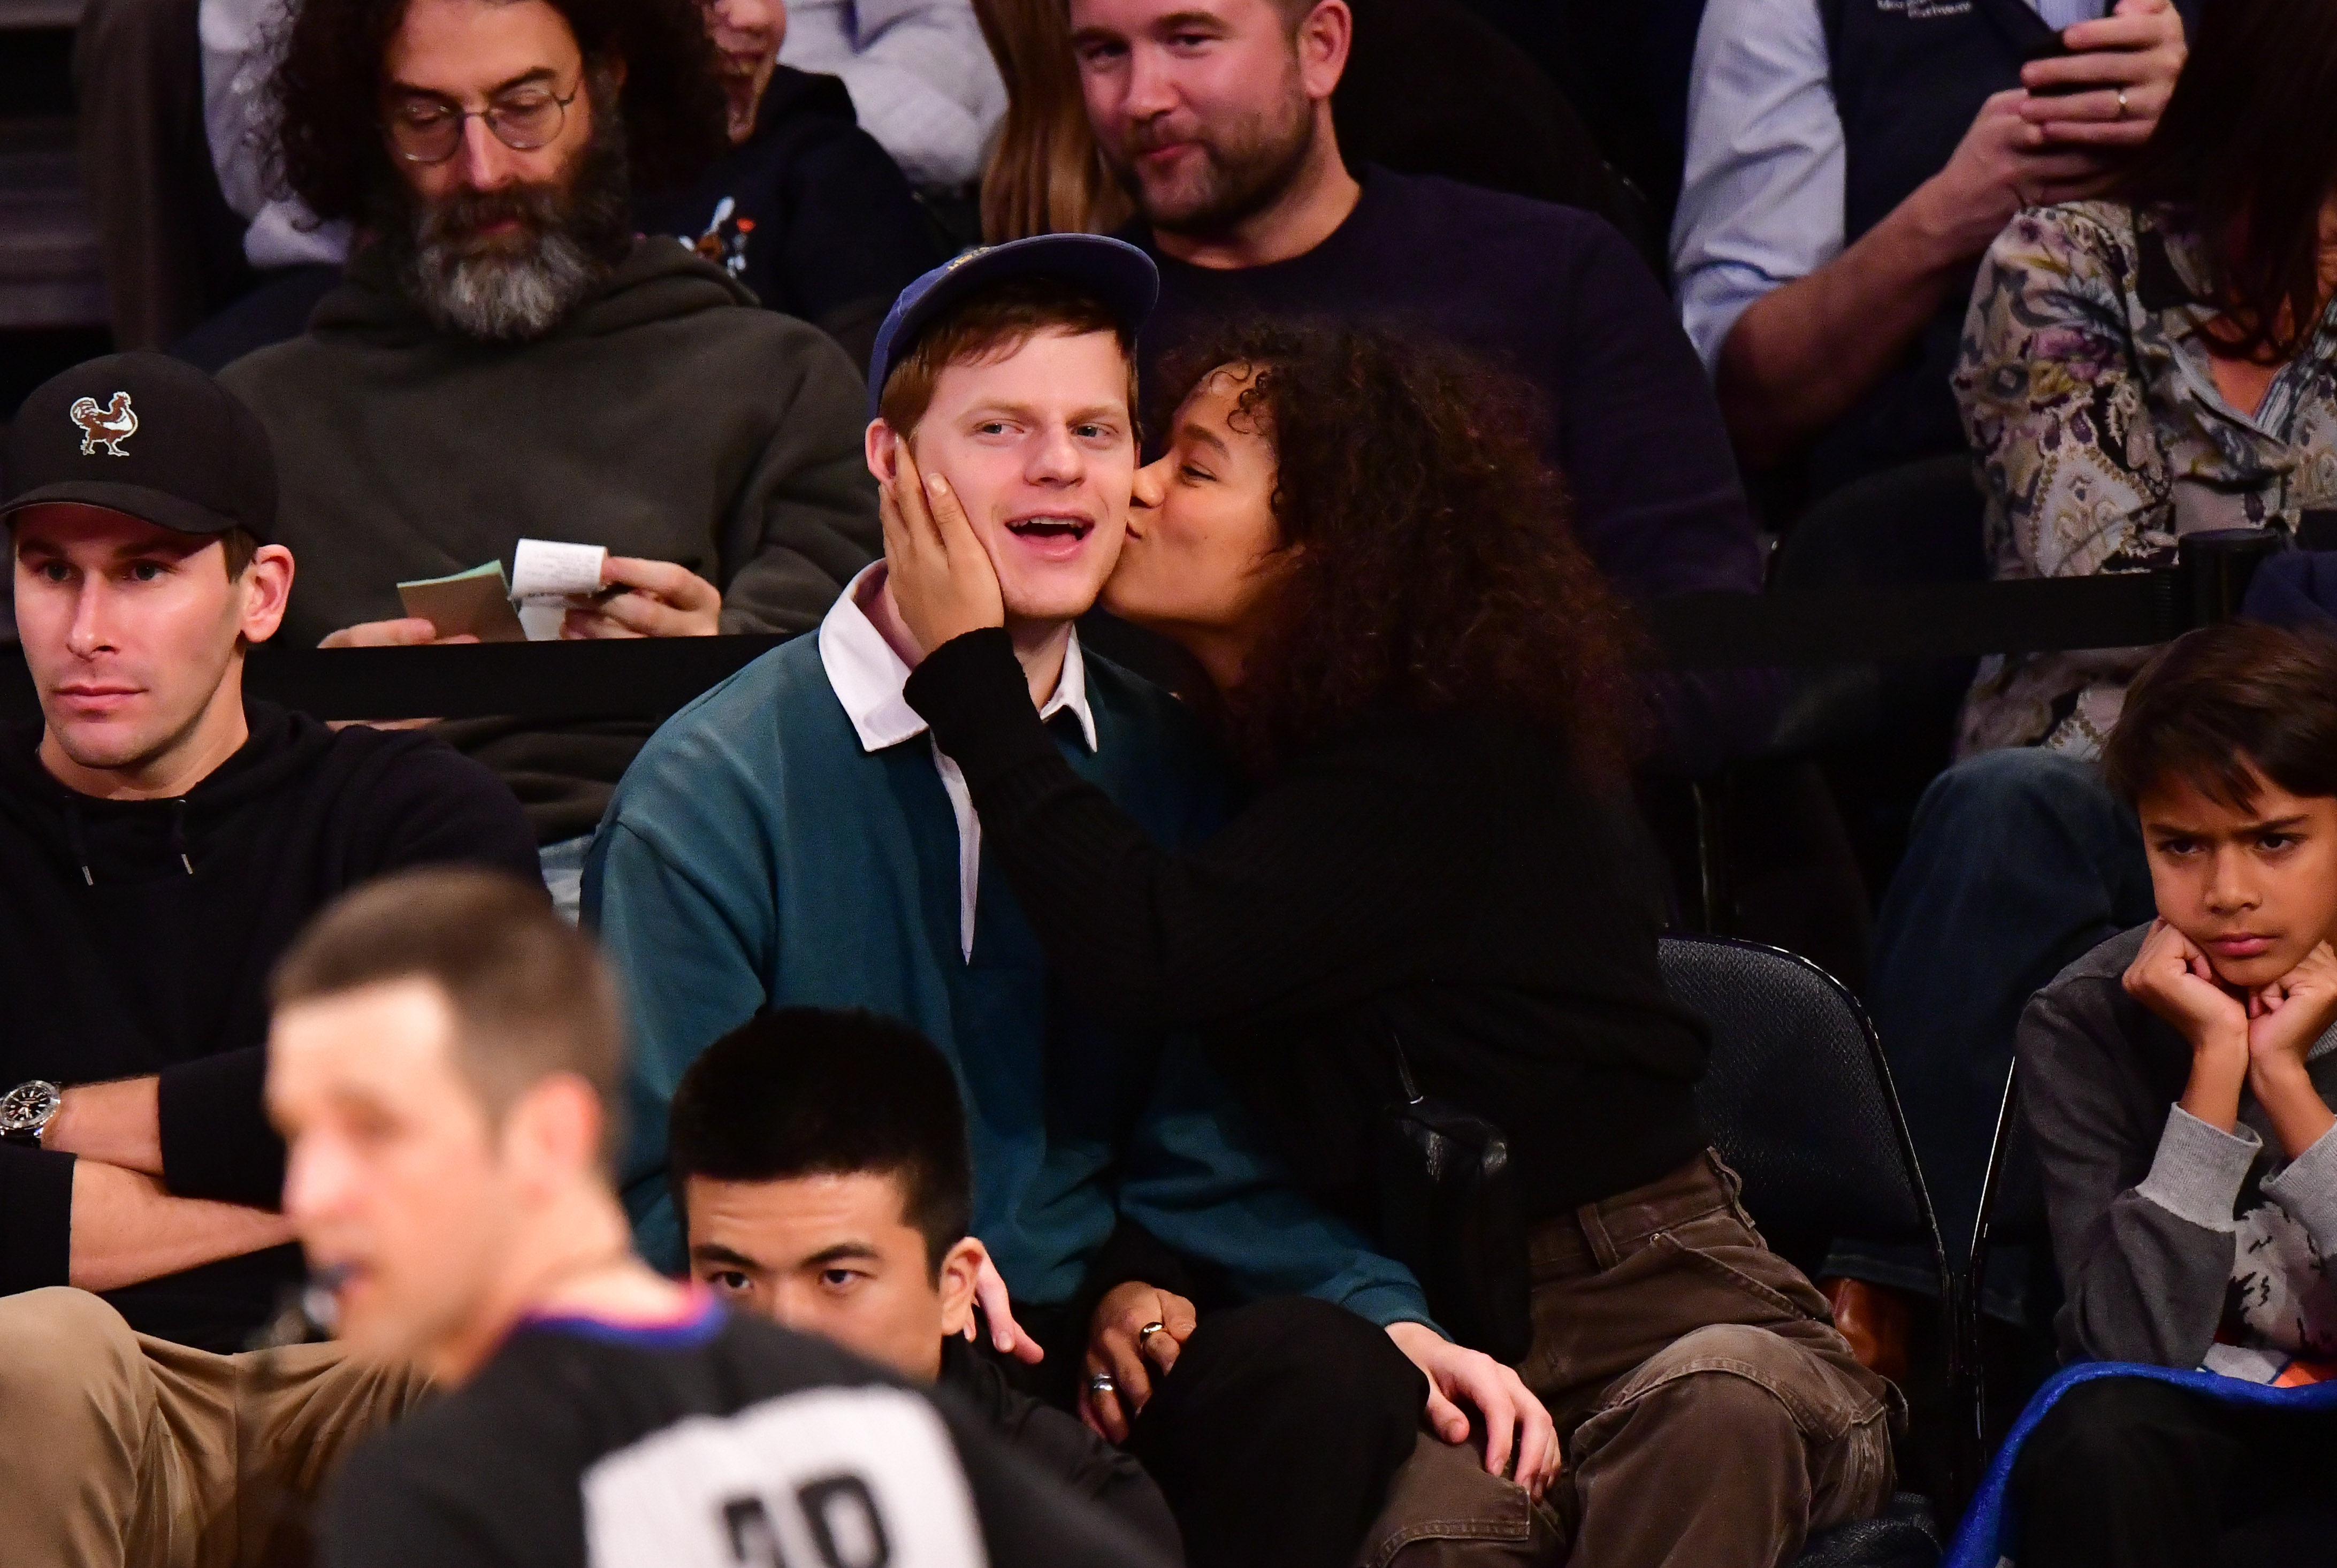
{"type": "Point", "coordinates": [1051, 528]}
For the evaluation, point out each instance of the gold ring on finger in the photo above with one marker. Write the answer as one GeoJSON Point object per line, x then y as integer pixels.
{"type": "Point", "coordinates": [1144, 1335]}
{"type": "Point", "coordinates": [2121, 103]}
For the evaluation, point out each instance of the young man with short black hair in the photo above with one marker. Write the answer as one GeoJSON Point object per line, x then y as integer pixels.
{"type": "Point", "coordinates": [2178, 1080]}
{"type": "Point", "coordinates": [444, 1052]}
{"type": "Point", "coordinates": [162, 839]}
{"type": "Point", "coordinates": [819, 1161]}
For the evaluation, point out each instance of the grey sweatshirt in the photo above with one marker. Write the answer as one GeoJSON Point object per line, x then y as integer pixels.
{"type": "Point", "coordinates": [2167, 1230]}
{"type": "Point", "coordinates": [670, 418]}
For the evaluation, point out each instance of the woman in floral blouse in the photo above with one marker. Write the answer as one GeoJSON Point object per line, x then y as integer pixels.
{"type": "Point", "coordinates": [2161, 362]}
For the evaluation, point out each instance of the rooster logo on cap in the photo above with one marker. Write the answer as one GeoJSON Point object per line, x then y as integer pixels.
{"type": "Point", "coordinates": [108, 426]}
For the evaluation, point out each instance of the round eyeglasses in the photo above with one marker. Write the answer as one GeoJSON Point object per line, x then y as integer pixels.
{"type": "Point", "coordinates": [430, 130]}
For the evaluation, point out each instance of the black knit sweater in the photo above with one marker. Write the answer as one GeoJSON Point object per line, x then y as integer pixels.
{"type": "Point", "coordinates": [1451, 881]}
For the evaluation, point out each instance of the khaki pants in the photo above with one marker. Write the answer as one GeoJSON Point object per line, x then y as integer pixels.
{"type": "Point", "coordinates": [1711, 1415]}
{"type": "Point", "coordinates": [121, 1451]}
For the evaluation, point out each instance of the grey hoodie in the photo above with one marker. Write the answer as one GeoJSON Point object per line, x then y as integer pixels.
{"type": "Point", "coordinates": [2169, 1231]}
{"type": "Point", "coordinates": [669, 417]}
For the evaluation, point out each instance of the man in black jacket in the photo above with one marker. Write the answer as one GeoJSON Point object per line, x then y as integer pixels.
{"type": "Point", "coordinates": [819, 1161]}
{"type": "Point", "coordinates": [161, 841]}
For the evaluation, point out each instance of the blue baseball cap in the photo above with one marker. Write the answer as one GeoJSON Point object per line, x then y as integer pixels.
{"type": "Point", "coordinates": [1117, 273]}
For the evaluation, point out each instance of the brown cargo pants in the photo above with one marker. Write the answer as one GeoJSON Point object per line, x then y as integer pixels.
{"type": "Point", "coordinates": [121, 1451]}
{"type": "Point", "coordinates": [1711, 1415]}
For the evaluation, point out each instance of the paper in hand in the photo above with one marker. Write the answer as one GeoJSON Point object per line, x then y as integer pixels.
{"type": "Point", "coordinates": [542, 570]}
{"type": "Point", "coordinates": [474, 603]}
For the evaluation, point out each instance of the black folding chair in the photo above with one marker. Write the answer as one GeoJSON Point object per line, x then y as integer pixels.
{"type": "Point", "coordinates": [1799, 1103]}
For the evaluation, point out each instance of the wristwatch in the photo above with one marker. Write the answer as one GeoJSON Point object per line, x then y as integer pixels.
{"type": "Point", "coordinates": [27, 1110]}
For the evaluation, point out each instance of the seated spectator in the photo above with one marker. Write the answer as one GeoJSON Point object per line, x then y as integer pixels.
{"type": "Point", "coordinates": [2134, 369]}
{"type": "Point", "coordinates": [1430, 89]}
{"type": "Point", "coordinates": [163, 840]}
{"type": "Point", "coordinates": [1848, 161]}
{"type": "Point", "coordinates": [818, 1163]}
{"type": "Point", "coordinates": [806, 209]}
{"type": "Point", "coordinates": [508, 359]}
{"type": "Point", "coordinates": [1217, 115]}
{"type": "Point", "coordinates": [793, 838]}
{"type": "Point", "coordinates": [2178, 1079]}
{"type": "Point", "coordinates": [920, 79]}
{"type": "Point", "coordinates": [169, 183]}
{"type": "Point", "coordinates": [294, 260]}
{"type": "Point", "coordinates": [444, 1053]}
{"type": "Point", "coordinates": [1044, 174]}
{"type": "Point", "coordinates": [1438, 881]}
{"type": "Point", "coordinates": [204, 254]}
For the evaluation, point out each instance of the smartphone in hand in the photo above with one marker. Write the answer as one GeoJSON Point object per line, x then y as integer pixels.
{"type": "Point", "coordinates": [2051, 47]}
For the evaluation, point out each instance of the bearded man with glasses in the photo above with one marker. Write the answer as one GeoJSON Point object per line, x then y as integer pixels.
{"type": "Point", "coordinates": [508, 359]}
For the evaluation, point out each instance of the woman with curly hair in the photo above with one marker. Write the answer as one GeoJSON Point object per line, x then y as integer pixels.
{"type": "Point", "coordinates": [1438, 889]}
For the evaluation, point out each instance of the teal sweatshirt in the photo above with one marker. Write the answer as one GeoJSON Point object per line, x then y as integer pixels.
{"type": "Point", "coordinates": [755, 855]}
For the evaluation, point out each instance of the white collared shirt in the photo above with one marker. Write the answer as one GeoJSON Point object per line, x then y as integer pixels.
{"type": "Point", "coordinates": [867, 675]}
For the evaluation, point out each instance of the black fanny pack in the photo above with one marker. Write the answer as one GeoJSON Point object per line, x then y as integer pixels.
{"type": "Point", "coordinates": [1450, 1212]}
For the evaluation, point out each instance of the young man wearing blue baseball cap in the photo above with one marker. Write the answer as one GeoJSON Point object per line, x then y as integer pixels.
{"type": "Point", "coordinates": [794, 839]}
{"type": "Point", "coordinates": [162, 839]}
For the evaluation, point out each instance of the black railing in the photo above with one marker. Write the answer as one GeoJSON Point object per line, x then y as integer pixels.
{"type": "Point", "coordinates": [571, 680]}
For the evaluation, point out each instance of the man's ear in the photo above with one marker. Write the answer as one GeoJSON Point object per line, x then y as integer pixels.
{"type": "Point", "coordinates": [960, 1266]}
{"type": "Point", "coordinates": [551, 1132]}
{"type": "Point", "coordinates": [267, 588]}
{"type": "Point", "coordinates": [879, 444]}
{"type": "Point", "coordinates": [1323, 40]}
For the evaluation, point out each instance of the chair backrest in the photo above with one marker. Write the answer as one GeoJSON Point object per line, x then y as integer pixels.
{"type": "Point", "coordinates": [1799, 1101]}
{"type": "Point", "coordinates": [1917, 524]}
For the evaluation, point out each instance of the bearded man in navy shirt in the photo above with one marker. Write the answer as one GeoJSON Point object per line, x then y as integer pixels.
{"type": "Point", "coordinates": [1216, 115]}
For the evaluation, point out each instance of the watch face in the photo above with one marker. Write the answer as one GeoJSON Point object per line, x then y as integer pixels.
{"type": "Point", "coordinates": [27, 1106]}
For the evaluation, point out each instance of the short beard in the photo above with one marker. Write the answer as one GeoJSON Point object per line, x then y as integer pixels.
{"type": "Point", "coordinates": [573, 231]}
{"type": "Point", "coordinates": [1247, 174]}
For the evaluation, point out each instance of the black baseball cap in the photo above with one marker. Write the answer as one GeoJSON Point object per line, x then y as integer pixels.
{"type": "Point", "coordinates": [145, 434]}
{"type": "Point", "coordinates": [1117, 273]}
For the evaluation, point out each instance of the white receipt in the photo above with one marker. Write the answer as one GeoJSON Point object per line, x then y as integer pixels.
{"type": "Point", "coordinates": [542, 570]}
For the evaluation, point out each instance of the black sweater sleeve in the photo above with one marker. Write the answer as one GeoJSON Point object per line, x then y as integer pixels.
{"type": "Point", "coordinates": [35, 1218]}
{"type": "Point", "coordinates": [1059, 1447]}
{"type": "Point", "coordinates": [424, 804]}
{"type": "Point", "coordinates": [1312, 896]}
{"type": "Point", "coordinates": [217, 1142]}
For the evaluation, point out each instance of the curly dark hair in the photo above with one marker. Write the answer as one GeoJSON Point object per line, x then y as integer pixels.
{"type": "Point", "coordinates": [1432, 564]}
{"type": "Point", "coordinates": [327, 91]}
